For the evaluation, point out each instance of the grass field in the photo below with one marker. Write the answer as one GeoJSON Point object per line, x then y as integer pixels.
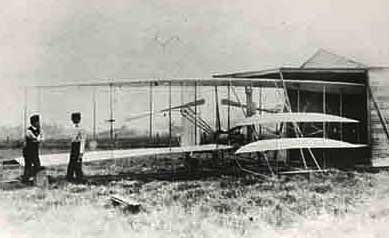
{"type": "Point", "coordinates": [335, 204]}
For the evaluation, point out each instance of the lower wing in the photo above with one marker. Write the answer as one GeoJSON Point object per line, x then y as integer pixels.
{"type": "Point", "coordinates": [63, 158]}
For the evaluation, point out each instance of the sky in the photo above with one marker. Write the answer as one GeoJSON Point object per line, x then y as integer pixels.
{"type": "Point", "coordinates": [51, 41]}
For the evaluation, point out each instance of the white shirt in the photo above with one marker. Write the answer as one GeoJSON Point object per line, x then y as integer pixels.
{"type": "Point", "coordinates": [30, 135]}
{"type": "Point", "coordinates": [79, 135]}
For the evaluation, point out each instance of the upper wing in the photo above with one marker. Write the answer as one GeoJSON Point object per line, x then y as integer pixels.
{"type": "Point", "coordinates": [63, 158]}
{"type": "Point", "coordinates": [219, 81]}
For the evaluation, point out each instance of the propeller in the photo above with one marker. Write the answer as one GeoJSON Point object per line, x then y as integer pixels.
{"type": "Point", "coordinates": [237, 104]}
{"type": "Point", "coordinates": [185, 105]}
{"type": "Point", "coordinates": [189, 104]}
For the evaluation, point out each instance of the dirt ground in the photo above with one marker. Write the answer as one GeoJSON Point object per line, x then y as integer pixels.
{"type": "Point", "coordinates": [335, 204]}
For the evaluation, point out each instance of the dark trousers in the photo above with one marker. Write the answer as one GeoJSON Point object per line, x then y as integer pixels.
{"type": "Point", "coordinates": [32, 162]}
{"type": "Point", "coordinates": [75, 162]}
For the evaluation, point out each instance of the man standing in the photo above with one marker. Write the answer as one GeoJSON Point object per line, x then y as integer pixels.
{"type": "Point", "coordinates": [74, 171]}
{"type": "Point", "coordinates": [34, 136]}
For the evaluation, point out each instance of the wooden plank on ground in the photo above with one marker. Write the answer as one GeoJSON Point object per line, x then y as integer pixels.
{"type": "Point", "coordinates": [126, 204]}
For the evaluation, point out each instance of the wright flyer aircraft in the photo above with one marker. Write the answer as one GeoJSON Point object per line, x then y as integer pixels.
{"type": "Point", "coordinates": [324, 119]}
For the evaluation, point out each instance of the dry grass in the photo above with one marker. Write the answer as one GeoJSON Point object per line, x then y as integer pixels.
{"type": "Point", "coordinates": [331, 205]}
{"type": "Point", "coordinates": [335, 204]}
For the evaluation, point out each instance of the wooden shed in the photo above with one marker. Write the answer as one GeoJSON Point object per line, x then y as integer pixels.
{"type": "Point", "coordinates": [332, 84]}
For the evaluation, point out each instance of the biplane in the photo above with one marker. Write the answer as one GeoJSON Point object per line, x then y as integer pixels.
{"type": "Point", "coordinates": [296, 126]}
{"type": "Point", "coordinates": [322, 120]}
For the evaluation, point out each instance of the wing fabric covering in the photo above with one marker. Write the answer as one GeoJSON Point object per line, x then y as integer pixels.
{"type": "Point", "coordinates": [295, 143]}
{"type": "Point", "coordinates": [293, 117]}
{"type": "Point", "coordinates": [63, 158]}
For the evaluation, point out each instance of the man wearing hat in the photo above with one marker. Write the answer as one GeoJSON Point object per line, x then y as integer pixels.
{"type": "Point", "coordinates": [31, 149]}
{"type": "Point", "coordinates": [74, 171]}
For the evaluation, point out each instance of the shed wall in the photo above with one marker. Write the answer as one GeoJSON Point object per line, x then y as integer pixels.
{"type": "Point", "coordinates": [379, 84]}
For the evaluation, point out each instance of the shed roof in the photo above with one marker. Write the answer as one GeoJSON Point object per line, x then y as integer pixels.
{"type": "Point", "coordinates": [326, 59]}
{"type": "Point", "coordinates": [323, 66]}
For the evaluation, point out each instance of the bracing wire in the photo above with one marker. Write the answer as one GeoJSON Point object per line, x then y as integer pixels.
{"type": "Point", "coordinates": [296, 127]}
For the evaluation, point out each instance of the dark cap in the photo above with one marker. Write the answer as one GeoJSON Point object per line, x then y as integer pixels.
{"type": "Point", "coordinates": [76, 117]}
{"type": "Point", "coordinates": [34, 118]}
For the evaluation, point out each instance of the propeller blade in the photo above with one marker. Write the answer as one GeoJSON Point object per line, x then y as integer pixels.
{"type": "Point", "coordinates": [189, 104]}
{"type": "Point", "coordinates": [145, 114]}
{"type": "Point", "coordinates": [140, 115]}
{"type": "Point", "coordinates": [237, 104]}
{"type": "Point", "coordinates": [232, 103]}
{"type": "Point", "coordinates": [268, 110]}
